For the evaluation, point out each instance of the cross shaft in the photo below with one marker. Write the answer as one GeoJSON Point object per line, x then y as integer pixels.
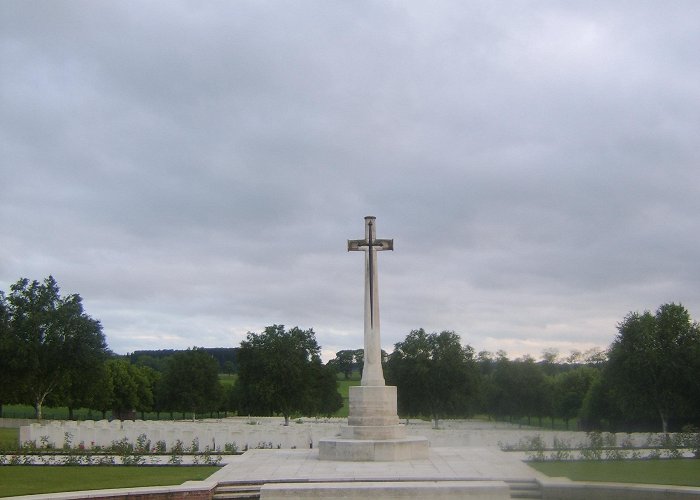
{"type": "Point", "coordinates": [372, 372]}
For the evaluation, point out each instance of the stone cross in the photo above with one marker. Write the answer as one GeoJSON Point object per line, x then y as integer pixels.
{"type": "Point", "coordinates": [372, 374]}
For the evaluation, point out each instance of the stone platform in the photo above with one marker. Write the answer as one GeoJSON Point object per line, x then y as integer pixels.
{"type": "Point", "coordinates": [444, 473]}
{"type": "Point", "coordinates": [456, 464]}
{"type": "Point", "coordinates": [373, 433]}
{"type": "Point", "coordinates": [457, 490]}
{"type": "Point", "coordinates": [373, 450]}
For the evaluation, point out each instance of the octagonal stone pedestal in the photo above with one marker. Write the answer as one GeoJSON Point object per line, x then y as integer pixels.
{"type": "Point", "coordinates": [374, 450]}
{"type": "Point", "coordinates": [373, 433]}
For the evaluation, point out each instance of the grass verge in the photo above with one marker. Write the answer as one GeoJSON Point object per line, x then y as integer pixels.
{"type": "Point", "coordinates": [34, 479]}
{"type": "Point", "coordinates": [681, 472]}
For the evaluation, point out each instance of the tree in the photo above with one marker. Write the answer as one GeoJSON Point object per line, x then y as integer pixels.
{"type": "Point", "coordinates": [229, 367]}
{"type": "Point", "coordinates": [10, 369]}
{"type": "Point", "coordinates": [191, 382]}
{"type": "Point", "coordinates": [651, 362]}
{"type": "Point", "coordinates": [517, 389]}
{"type": "Point", "coordinates": [50, 340]}
{"type": "Point", "coordinates": [325, 399]}
{"type": "Point", "coordinates": [549, 363]}
{"type": "Point", "coordinates": [570, 389]}
{"type": "Point", "coordinates": [128, 388]}
{"type": "Point", "coordinates": [550, 355]}
{"type": "Point", "coordinates": [600, 409]}
{"type": "Point", "coordinates": [500, 395]}
{"type": "Point", "coordinates": [434, 374]}
{"type": "Point", "coordinates": [595, 356]}
{"type": "Point", "coordinates": [280, 372]}
{"type": "Point", "coordinates": [344, 362]}
{"type": "Point", "coordinates": [531, 395]}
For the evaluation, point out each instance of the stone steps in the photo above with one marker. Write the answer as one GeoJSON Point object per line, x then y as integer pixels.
{"type": "Point", "coordinates": [520, 489]}
{"type": "Point", "coordinates": [524, 489]}
{"type": "Point", "coordinates": [237, 491]}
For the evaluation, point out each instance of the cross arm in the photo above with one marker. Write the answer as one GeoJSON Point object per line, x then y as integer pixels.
{"type": "Point", "coordinates": [383, 244]}
{"type": "Point", "coordinates": [379, 245]}
{"type": "Point", "coordinates": [354, 245]}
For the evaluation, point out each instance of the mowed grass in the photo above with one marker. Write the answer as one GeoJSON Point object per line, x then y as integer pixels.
{"type": "Point", "coordinates": [681, 472]}
{"type": "Point", "coordinates": [9, 438]}
{"type": "Point", "coordinates": [49, 413]}
{"type": "Point", "coordinates": [34, 479]}
{"type": "Point", "coordinates": [344, 391]}
{"type": "Point", "coordinates": [228, 380]}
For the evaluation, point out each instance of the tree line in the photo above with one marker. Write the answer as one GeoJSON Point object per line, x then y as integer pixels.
{"type": "Point", "coordinates": [52, 353]}
{"type": "Point", "coordinates": [647, 379]}
{"type": "Point", "coordinates": [227, 357]}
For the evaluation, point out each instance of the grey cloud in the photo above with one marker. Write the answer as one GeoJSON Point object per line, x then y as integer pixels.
{"type": "Point", "coordinates": [182, 162]}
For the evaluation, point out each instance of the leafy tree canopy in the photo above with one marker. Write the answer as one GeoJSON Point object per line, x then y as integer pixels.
{"type": "Point", "coordinates": [434, 374]}
{"type": "Point", "coordinates": [280, 372]}
{"type": "Point", "coordinates": [191, 382]}
{"type": "Point", "coordinates": [653, 363]}
{"type": "Point", "coordinates": [48, 342]}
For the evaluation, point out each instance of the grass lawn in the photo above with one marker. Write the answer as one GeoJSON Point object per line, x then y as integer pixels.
{"type": "Point", "coordinates": [33, 479]}
{"type": "Point", "coordinates": [344, 390]}
{"type": "Point", "coordinates": [228, 380]}
{"type": "Point", "coordinates": [9, 438]}
{"type": "Point", "coordinates": [49, 413]}
{"type": "Point", "coordinates": [681, 472]}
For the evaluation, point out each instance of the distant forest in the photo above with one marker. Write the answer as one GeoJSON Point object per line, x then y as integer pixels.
{"type": "Point", "coordinates": [227, 357]}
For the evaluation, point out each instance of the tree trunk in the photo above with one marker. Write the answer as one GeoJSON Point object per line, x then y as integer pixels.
{"type": "Point", "coordinates": [286, 420]}
{"type": "Point", "coordinates": [664, 421]}
{"type": "Point", "coordinates": [70, 413]}
{"type": "Point", "coordinates": [37, 409]}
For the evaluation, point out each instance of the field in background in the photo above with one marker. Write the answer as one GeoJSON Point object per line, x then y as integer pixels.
{"type": "Point", "coordinates": [9, 438]}
{"type": "Point", "coordinates": [344, 390]}
{"type": "Point", "coordinates": [680, 472]}
{"type": "Point", "coordinates": [30, 480]}
{"type": "Point", "coordinates": [228, 380]}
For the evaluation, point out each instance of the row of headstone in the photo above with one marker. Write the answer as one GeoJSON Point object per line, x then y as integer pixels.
{"type": "Point", "coordinates": [244, 433]}
{"type": "Point", "coordinates": [213, 435]}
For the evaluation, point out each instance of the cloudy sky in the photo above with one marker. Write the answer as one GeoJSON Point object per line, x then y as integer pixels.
{"type": "Point", "coordinates": [194, 169]}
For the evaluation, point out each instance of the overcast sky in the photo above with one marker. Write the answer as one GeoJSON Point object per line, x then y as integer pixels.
{"type": "Point", "coordinates": [194, 169]}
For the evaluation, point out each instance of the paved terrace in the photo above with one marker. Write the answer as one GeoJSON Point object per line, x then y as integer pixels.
{"type": "Point", "coordinates": [443, 464]}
